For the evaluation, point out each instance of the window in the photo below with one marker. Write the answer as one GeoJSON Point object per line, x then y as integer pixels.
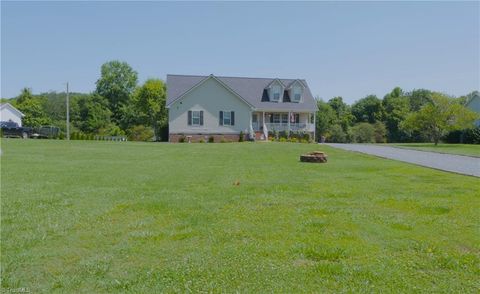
{"type": "Point", "coordinates": [227, 118]}
{"type": "Point", "coordinates": [297, 93]}
{"type": "Point", "coordinates": [276, 118]}
{"type": "Point", "coordinates": [285, 118]}
{"type": "Point", "coordinates": [276, 92]}
{"type": "Point", "coordinates": [195, 118]}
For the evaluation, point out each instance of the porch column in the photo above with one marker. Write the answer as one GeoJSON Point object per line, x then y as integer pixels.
{"type": "Point", "coordinates": [289, 118]}
{"type": "Point", "coordinates": [252, 133]}
{"type": "Point", "coordinates": [314, 126]}
{"type": "Point", "coordinates": [265, 131]}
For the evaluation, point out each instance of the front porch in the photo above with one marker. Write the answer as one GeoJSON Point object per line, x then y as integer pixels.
{"type": "Point", "coordinates": [265, 122]}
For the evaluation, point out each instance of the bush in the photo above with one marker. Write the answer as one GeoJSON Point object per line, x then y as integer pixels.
{"type": "Point", "coordinates": [306, 137]}
{"type": "Point", "coordinates": [363, 133]}
{"type": "Point", "coordinates": [293, 140]}
{"type": "Point", "coordinates": [468, 136]}
{"type": "Point", "coordinates": [380, 132]}
{"type": "Point", "coordinates": [61, 136]}
{"type": "Point", "coordinates": [304, 141]}
{"type": "Point", "coordinates": [181, 139]}
{"type": "Point", "coordinates": [240, 139]}
{"type": "Point", "coordinates": [282, 139]}
{"type": "Point", "coordinates": [223, 140]}
{"type": "Point", "coordinates": [283, 134]}
{"type": "Point", "coordinates": [336, 134]}
{"type": "Point", "coordinates": [211, 139]}
{"type": "Point", "coordinates": [201, 141]}
{"type": "Point", "coordinates": [139, 133]}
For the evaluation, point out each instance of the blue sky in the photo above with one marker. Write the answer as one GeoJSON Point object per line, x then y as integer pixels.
{"type": "Point", "coordinates": [342, 49]}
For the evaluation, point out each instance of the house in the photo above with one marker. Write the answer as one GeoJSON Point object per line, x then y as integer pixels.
{"type": "Point", "coordinates": [201, 107]}
{"type": "Point", "coordinates": [10, 113]}
{"type": "Point", "coordinates": [473, 103]}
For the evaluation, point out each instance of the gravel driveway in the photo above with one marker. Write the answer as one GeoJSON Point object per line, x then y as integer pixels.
{"type": "Point", "coordinates": [448, 162]}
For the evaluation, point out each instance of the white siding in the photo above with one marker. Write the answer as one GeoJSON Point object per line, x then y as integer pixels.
{"type": "Point", "coordinates": [211, 97]}
{"type": "Point", "coordinates": [6, 114]}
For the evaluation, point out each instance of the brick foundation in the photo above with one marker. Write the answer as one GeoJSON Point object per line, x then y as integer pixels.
{"type": "Point", "coordinates": [196, 138]}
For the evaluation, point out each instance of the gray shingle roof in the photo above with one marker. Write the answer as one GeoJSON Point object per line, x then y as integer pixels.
{"type": "Point", "coordinates": [250, 89]}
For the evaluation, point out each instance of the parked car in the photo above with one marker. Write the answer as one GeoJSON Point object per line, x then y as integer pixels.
{"type": "Point", "coordinates": [12, 129]}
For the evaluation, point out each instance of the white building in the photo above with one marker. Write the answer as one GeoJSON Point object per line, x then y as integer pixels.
{"type": "Point", "coordinates": [10, 113]}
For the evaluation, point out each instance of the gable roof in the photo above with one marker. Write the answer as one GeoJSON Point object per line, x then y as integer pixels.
{"type": "Point", "coordinates": [475, 95]}
{"type": "Point", "coordinates": [10, 106]}
{"type": "Point", "coordinates": [250, 90]}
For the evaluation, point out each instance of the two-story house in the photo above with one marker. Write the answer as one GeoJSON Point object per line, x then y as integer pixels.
{"type": "Point", "coordinates": [223, 107]}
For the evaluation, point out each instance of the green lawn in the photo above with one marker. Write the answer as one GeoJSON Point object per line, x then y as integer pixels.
{"type": "Point", "coordinates": [92, 217]}
{"type": "Point", "coordinates": [460, 149]}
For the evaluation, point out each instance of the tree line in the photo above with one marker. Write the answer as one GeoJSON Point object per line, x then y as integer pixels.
{"type": "Point", "coordinates": [119, 106]}
{"type": "Point", "coordinates": [417, 116]}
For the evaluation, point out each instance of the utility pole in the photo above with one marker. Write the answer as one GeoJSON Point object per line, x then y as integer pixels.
{"type": "Point", "coordinates": [68, 115]}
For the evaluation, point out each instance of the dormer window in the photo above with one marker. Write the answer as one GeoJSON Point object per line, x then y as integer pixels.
{"type": "Point", "coordinates": [297, 93]}
{"type": "Point", "coordinates": [276, 89]}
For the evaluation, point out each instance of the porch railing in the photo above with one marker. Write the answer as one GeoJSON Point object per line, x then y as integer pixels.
{"type": "Point", "coordinates": [293, 126]}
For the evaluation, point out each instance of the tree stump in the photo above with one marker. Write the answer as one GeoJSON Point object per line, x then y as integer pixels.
{"type": "Point", "coordinates": [315, 157]}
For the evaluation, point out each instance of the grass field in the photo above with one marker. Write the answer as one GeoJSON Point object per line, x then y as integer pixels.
{"type": "Point", "coordinates": [92, 217]}
{"type": "Point", "coordinates": [460, 149]}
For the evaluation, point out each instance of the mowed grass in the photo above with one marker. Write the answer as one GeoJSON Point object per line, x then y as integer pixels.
{"type": "Point", "coordinates": [93, 217]}
{"type": "Point", "coordinates": [459, 149]}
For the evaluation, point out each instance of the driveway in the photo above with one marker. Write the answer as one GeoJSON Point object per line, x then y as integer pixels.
{"type": "Point", "coordinates": [448, 162]}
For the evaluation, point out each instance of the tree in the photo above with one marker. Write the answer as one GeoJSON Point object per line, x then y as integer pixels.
{"type": "Point", "coordinates": [93, 113]}
{"type": "Point", "coordinates": [368, 109]}
{"type": "Point", "coordinates": [150, 99]}
{"type": "Point", "coordinates": [418, 98]}
{"type": "Point", "coordinates": [396, 108]}
{"type": "Point", "coordinates": [117, 83]}
{"type": "Point", "coordinates": [438, 117]}
{"type": "Point", "coordinates": [34, 114]}
{"type": "Point", "coordinates": [326, 117]}
{"type": "Point", "coordinates": [343, 113]}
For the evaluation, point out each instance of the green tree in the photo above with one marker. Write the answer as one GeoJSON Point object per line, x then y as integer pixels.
{"type": "Point", "coordinates": [336, 134]}
{"type": "Point", "coordinates": [418, 98]}
{"type": "Point", "coordinates": [117, 83]}
{"type": "Point", "coordinates": [150, 99]}
{"type": "Point", "coordinates": [368, 109]}
{"type": "Point", "coordinates": [326, 118]}
{"type": "Point", "coordinates": [343, 112]}
{"type": "Point", "coordinates": [438, 117]}
{"type": "Point", "coordinates": [396, 108]}
{"type": "Point", "coordinates": [34, 114]}
{"type": "Point", "coordinates": [94, 113]}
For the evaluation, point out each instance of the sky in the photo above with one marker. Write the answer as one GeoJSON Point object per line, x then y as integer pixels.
{"type": "Point", "coordinates": [348, 49]}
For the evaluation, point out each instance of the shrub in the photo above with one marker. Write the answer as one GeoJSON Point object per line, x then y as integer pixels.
{"type": "Point", "coordinates": [61, 136]}
{"type": "Point", "coordinates": [138, 133]}
{"type": "Point", "coordinates": [293, 140]}
{"type": "Point", "coordinates": [380, 132]}
{"type": "Point", "coordinates": [223, 140]}
{"type": "Point", "coordinates": [306, 137]}
{"type": "Point", "coordinates": [283, 134]}
{"type": "Point", "coordinates": [201, 141]}
{"type": "Point", "coordinates": [304, 141]}
{"type": "Point", "coordinates": [337, 134]}
{"type": "Point", "coordinates": [282, 139]}
{"type": "Point", "coordinates": [240, 139]}
{"type": "Point", "coordinates": [211, 139]}
{"type": "Point", "coordinates": [363, 133]}
{"type": "Point", "coordinates": [181, 139]}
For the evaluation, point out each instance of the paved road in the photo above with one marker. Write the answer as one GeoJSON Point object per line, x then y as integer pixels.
{"type": "Point", "coordinates": [448, 162]}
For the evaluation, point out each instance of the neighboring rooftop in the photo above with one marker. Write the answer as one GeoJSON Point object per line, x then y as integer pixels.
{"type": "Point", "coordinates": [250, 89]}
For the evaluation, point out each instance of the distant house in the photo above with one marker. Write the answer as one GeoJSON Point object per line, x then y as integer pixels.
{"type": "Point", "coordinates": [473, 103]}
{"type": "Point", "coordinates": [201, 107]}
{"type": "Point", "coordinates": [10, 113]}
